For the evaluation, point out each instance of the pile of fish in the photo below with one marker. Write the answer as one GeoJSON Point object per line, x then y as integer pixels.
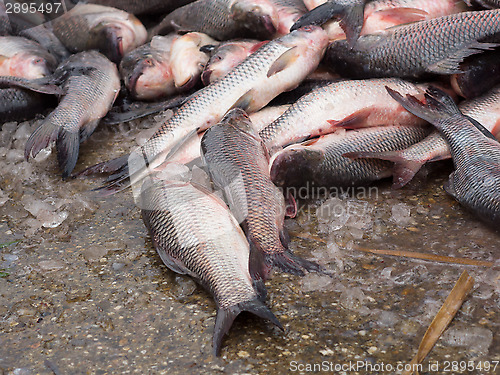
{"type": "Point", "coordinates": [357, 91]}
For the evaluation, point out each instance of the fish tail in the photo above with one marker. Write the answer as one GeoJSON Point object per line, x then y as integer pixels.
{"type": "Point", "coordinates": [351, 18]}
{"type": "Point", "coordinates": [225, 318]}
{"type": "Point", "coordinates": [291, 263]}
{"type": "Point", "coordinates": [438, 106]}
{"type": "Point", "coordinates": [68, 147]}
{"type": "Point", "coordinates": [403, 170]}
{"type": "Point", "coordinates": [41, 138]}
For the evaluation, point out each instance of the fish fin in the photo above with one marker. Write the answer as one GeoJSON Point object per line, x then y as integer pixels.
{"type": "Point", "coordinates": [293, 264]}
{"type": "Point", "coordinates": [283, 61]}
{"type": "Point", "coordinates": [225, 318]}
{"type": "Point", "coordinates": [245, 100]}
{"type": "Point", "coordinates": [68, 147]}
{"type": "Point", "coordinates": [451, 64]}
{"type": "Point", "coordinates": [258, 265]}
{"type": "Point", "coordinates": [109, 166]}
{"type": "Point", "coordinates": [41, 85]}
{"type": "Point", "coordinates": [41, 138]}
{"type": "Point", "coordinates": [354, 120]}
{"type": "Point", "coordinates": [291, 205]}
{"type": "Point", "coordinates": [403, 171]}
{"type": "Point", "coordinates": [403, 15]}
{"type": "Point", "coordinates": [481, 128]}
{"type": "Point", "coordinates": [439, 104]}
{"type": "Point", "coordinates": [87, 129]}
{"type": "Point", "coordinates": [351, 18]}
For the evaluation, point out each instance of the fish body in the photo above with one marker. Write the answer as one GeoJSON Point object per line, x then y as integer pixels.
{"type": "Point", "coordinates": [436, 46]}
{"type": "Point", "coordinates": [223, 19]}
{"type": "Point", "coordinates": [90, 89]}
{"type": "Point", "coordinates": [195, 234]}
{"type": "Point", "coordinates": [43, 35]}
{"type": "Point", "coordinates": [488, 4]}
{"type": "Point", "coordinates": [289, 11]}
{"type": "Point", "coordinates": [277, 66]}
{"type": "Point", "coordinates": [5, 26]}
{"type": "Point", "coordinates": [21, 57]}
{"type": "Point", "coordinates": [147, 70]}
{"type": "Point", "coordinates": [187, 60]}
{"type": "Point", "coordinates": [111, 31]}
{"type": "Point", "coordinates": [238, 165]}
{"type": "Point", "coordinates": [407, 162]}
{"type": "Point", "coordinates": [475, 183]}
{"type": "Point", "coordinates": [226, 57]}
{"type": "Point", "coordinates": [345, 103]}
{"type": "Point", "coordinates": [322, 162]}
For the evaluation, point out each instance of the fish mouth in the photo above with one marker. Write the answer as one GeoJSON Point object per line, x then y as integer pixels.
{"type": "Point", "coordinates": [134, 77]}
{"type": "Point", "coordinates": [205, 76]}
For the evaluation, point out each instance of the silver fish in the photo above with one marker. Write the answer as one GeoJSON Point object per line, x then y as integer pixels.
{"type": "Point", "coordinates": [90, 89]}
{"type": "Point", "coordinates": [238, 165]}
{"type": "Point", "coordinates": [345, 103]}
{"type": "Point", "coordinates": [195, 234]}
{"type": "Point", "coordinates": [436, 46]}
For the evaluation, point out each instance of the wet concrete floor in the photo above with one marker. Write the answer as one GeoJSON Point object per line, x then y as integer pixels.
{"type": "Point", "coordinates": [84, 292]}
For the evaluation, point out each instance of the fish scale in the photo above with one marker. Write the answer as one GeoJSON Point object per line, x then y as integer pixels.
{"type": "Point", "coordinates": [433, 46]}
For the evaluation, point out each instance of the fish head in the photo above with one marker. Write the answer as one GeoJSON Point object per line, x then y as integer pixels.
{"type": "Point", "coordinates": [149, 78]}
{"type": "Point", "coordinates": [222, 61]}
{"type": "Point", "coordinates": [114, 38]}
{"type": "Point", "coordinates": [29, 66]}
{"type": "Point", "coordinates": [259, 16]}
{"type": "Point", "coordinates": [238, 119]}
{"type": "Point", "coordinates": [294, 165]}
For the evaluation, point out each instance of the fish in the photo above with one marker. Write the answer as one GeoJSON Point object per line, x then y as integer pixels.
{"type": "Point", "coordinates": [17, 104]}
{"type": "Point", "coordinates": [362, 103]}
{"type": "Point", "coordinates": [187, 60]}
{"type": "Point", "coordinates": [111, 31]}
{"type": "Point", "coordinates": [223, 19]}
{"type": "Point", "coordinates": [475, 182]}
{"type": "Point", "coordinates": [383, 14]}
{"type": "Point", "coordinates": [277, 66]}
{"type": "Point", "coordinates": [350, 14]}
{"type": "Point", "coordinates": [226, 56]}
{"type": "Point", "coordinates": [141, 7]}
{"type": "Point", "coordinates": [91, 87]}
{"type": "Point", "coordinates": [21, 57]}
{"type": "Point", "coordinates": [238, 164]}
{"type": "Point", "coordinates": [321, 161]}
{"type": "Point", "coordinates": [479, 74]}
{"type": "Point", "coordinates": [419, 49]}
{"type": "Point", "coordinates": [407, 162]}
{"type": "Point", "coordinates": [195, 234]}
{"type": "Point", "coordinates": [266, 115]}
{"type": "Point", "coordinates": [147, 70]}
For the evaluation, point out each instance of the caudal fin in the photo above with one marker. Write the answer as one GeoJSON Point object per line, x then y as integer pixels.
{"type": "Point", "coordinates": [438, 106]}
{"type": "Point", "coordinates": [225, 318]}
{"type": "Point", "coordinates": [67, 144]}
{"type": "Point", "coordinates": [351, 18]}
